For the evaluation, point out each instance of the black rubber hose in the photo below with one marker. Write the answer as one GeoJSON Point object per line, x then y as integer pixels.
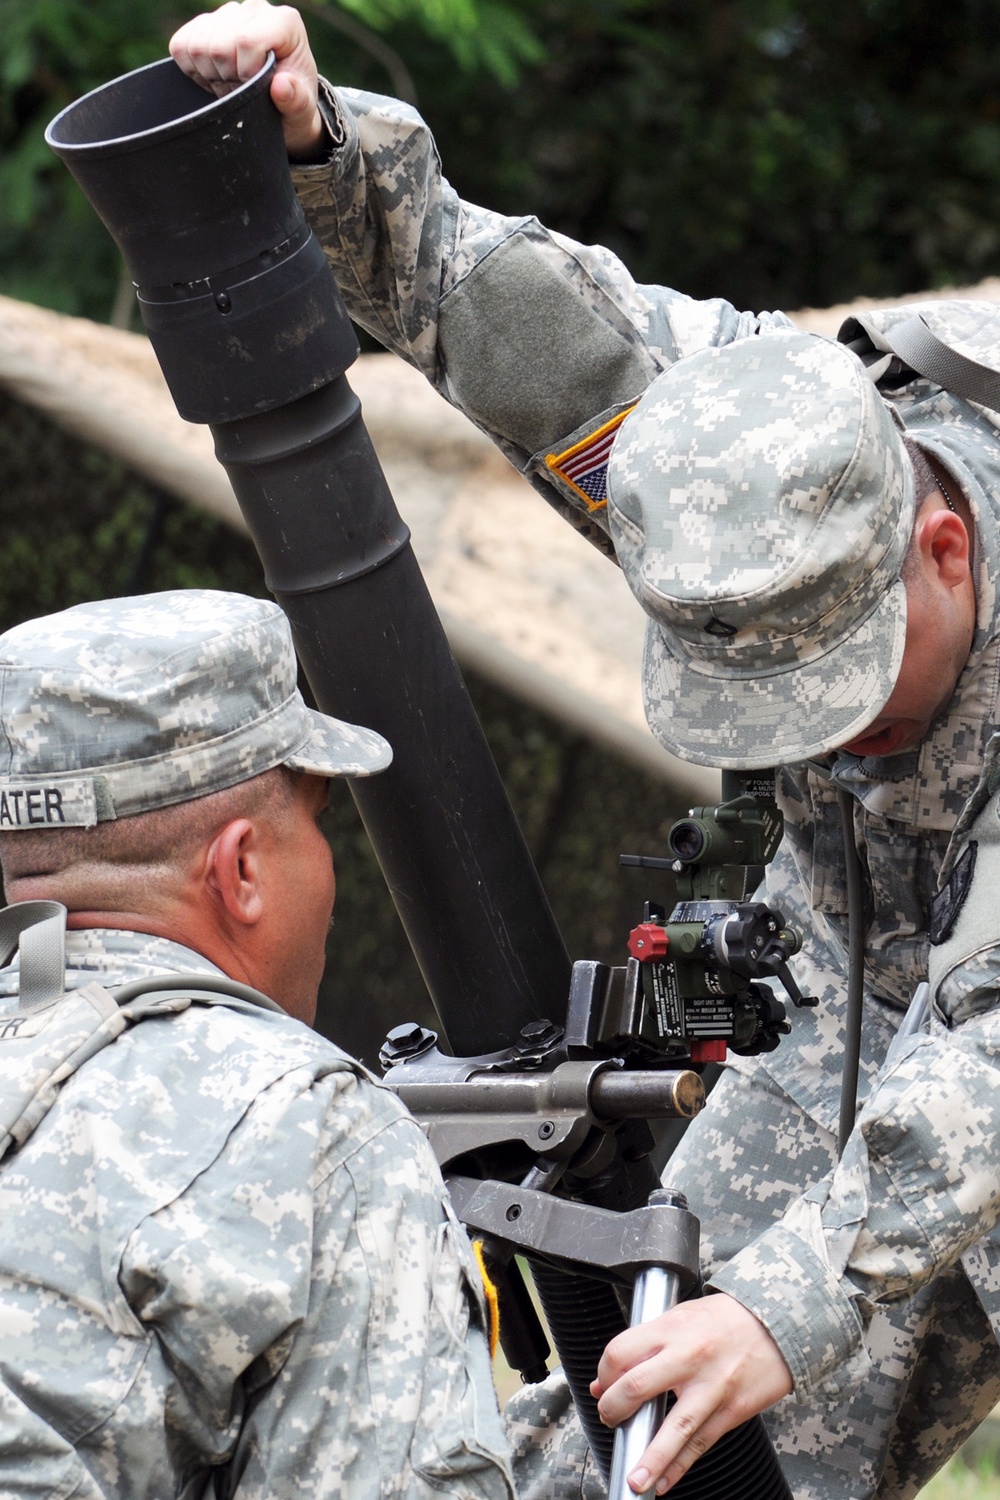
{"type": "Point", "coordinates": [742, 1465]}
{"type": "Point", "coordinates": [583, 1316]}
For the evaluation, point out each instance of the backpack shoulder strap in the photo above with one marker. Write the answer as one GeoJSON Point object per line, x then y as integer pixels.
{"type": "Point", "coordinates": [38, 928]}
{"type": "Point", "coordinates": [55, 1031]}
{"type": "Point", "coordinates": [953, 343]}
{"type": "Point", "coordinates": [914, 343]}
{"type": "Point", "coordinates": [208, 989]}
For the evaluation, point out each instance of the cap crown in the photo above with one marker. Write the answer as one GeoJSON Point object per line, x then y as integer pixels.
{"type": "Point", "coordinates": [124, 705]}
{"type": "Point", "coordinates": [761, 503]}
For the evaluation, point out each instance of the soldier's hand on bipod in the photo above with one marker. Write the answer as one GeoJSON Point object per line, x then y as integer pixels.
{"type": "Point", "coordinates": [720, 1361]}
{"type": "Point", "coordinates": [229, 45]}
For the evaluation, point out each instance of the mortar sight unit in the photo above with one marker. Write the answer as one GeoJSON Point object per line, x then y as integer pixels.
{"type": "Point", "coordinates": [693, 987]}
{"type": "Point", "coordinates": [547, 1146]}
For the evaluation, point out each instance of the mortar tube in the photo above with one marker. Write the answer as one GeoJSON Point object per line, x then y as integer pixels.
{"type": "Point", "coordinates": [375, 653]}
{"type": "Point", "coordinates": [253, 339]}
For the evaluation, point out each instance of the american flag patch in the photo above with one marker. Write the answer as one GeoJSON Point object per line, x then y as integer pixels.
{"type": "Point", "coordinates": [584, 467]}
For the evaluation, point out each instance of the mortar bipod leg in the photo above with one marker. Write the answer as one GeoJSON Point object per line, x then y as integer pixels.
{"type": "Point", "coordinates": [656, 1290]}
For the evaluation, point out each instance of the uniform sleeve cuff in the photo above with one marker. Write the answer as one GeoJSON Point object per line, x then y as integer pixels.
{"type": "Point", "coordinates": [340, 126]}
{"type": "Point", "coordinates": [805, 1308]}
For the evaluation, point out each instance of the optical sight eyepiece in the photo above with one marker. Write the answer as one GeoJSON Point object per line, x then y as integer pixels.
{"type": "Point", "coordinates": [687, 840]}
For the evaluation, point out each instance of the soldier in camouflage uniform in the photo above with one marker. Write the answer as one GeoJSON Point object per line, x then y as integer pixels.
{"type": "Point", "coordinates": [820, 594]}
{"type": "Point", "coordinates": [228, 1265]}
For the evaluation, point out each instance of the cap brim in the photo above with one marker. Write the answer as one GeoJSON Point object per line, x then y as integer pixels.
{"type": "Point", "coordinates": [775, 718]}
{"type": "Point", "coordinates": [336, 748]}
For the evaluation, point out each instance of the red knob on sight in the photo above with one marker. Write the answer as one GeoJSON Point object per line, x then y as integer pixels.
{"type": "Point", "coordinates": [647, 941]}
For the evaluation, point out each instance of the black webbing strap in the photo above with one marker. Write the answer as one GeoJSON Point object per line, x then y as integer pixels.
{"type": "Point", "coordinates": [924, 352]}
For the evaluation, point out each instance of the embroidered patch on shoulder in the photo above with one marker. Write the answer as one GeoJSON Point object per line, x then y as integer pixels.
{"type": "Point", "coordinates": [584, 467]}
{"type": "Point", "coordinates": [949, 900]}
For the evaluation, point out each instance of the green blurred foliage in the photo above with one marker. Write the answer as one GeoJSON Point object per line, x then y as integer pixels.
{"type": "Point", "coordinates": [961, 1481]}
{"type": "Point", "coordinates": [481, 35]}
{"type": "Point", "coordinates": [776, 152]}
{"type": "Point", "coordinates": [780, 153]}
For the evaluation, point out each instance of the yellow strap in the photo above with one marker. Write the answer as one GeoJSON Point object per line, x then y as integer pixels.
{"type": "Point", "coordinates": [490, 1291]}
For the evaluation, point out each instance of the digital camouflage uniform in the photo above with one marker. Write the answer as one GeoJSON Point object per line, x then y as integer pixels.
{"type": "Point", "coordinates": [877, 1279]}
{"type": "Point", "coordinates": [228, 1265]}
{"type": "Point", "coordinates": [224, 1251]}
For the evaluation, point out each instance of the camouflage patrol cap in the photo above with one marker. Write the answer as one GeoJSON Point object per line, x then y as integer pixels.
{"type": "Point", "coordinates": [761, 503]}
{"type": "Point", "coordinates": [126, 705]}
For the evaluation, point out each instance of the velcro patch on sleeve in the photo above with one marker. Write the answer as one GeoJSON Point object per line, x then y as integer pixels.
{"type": "Point", "coordinates": [584, 467]}
{"type": "Point", "coordinates": [949, 900]}
{"type": "Point", "coordinates": [58, 804]}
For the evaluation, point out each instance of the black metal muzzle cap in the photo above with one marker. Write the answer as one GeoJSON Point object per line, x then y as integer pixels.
{"type": "Point", "coordinates": [235, 291]}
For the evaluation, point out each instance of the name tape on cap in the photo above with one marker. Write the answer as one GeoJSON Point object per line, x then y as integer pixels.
{"type": "Point", "coordinates": [54, 804]}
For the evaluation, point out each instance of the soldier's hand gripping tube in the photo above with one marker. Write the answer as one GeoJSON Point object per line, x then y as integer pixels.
{"type": "Point", "coordinates": [585, 1314]}
{"type": "Point", "coordinates": [252, 336]}
{"type": "Point", "coordinates": [741, 1465]}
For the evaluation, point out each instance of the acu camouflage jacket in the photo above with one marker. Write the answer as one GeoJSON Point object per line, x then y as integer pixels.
{"type": "Point", "coordinates": [227, 1262]}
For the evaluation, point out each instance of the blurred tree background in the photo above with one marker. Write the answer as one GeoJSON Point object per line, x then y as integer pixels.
{"type": "Point", "coordinates": [776, 153]}
{"type": "Point", "coordinates": [780, 153]}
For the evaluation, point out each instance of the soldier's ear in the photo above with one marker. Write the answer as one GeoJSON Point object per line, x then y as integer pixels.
{"type": "Point", "coordinates": [232, 872]}
{"type": "Point", "coordinates": [948, 549]}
